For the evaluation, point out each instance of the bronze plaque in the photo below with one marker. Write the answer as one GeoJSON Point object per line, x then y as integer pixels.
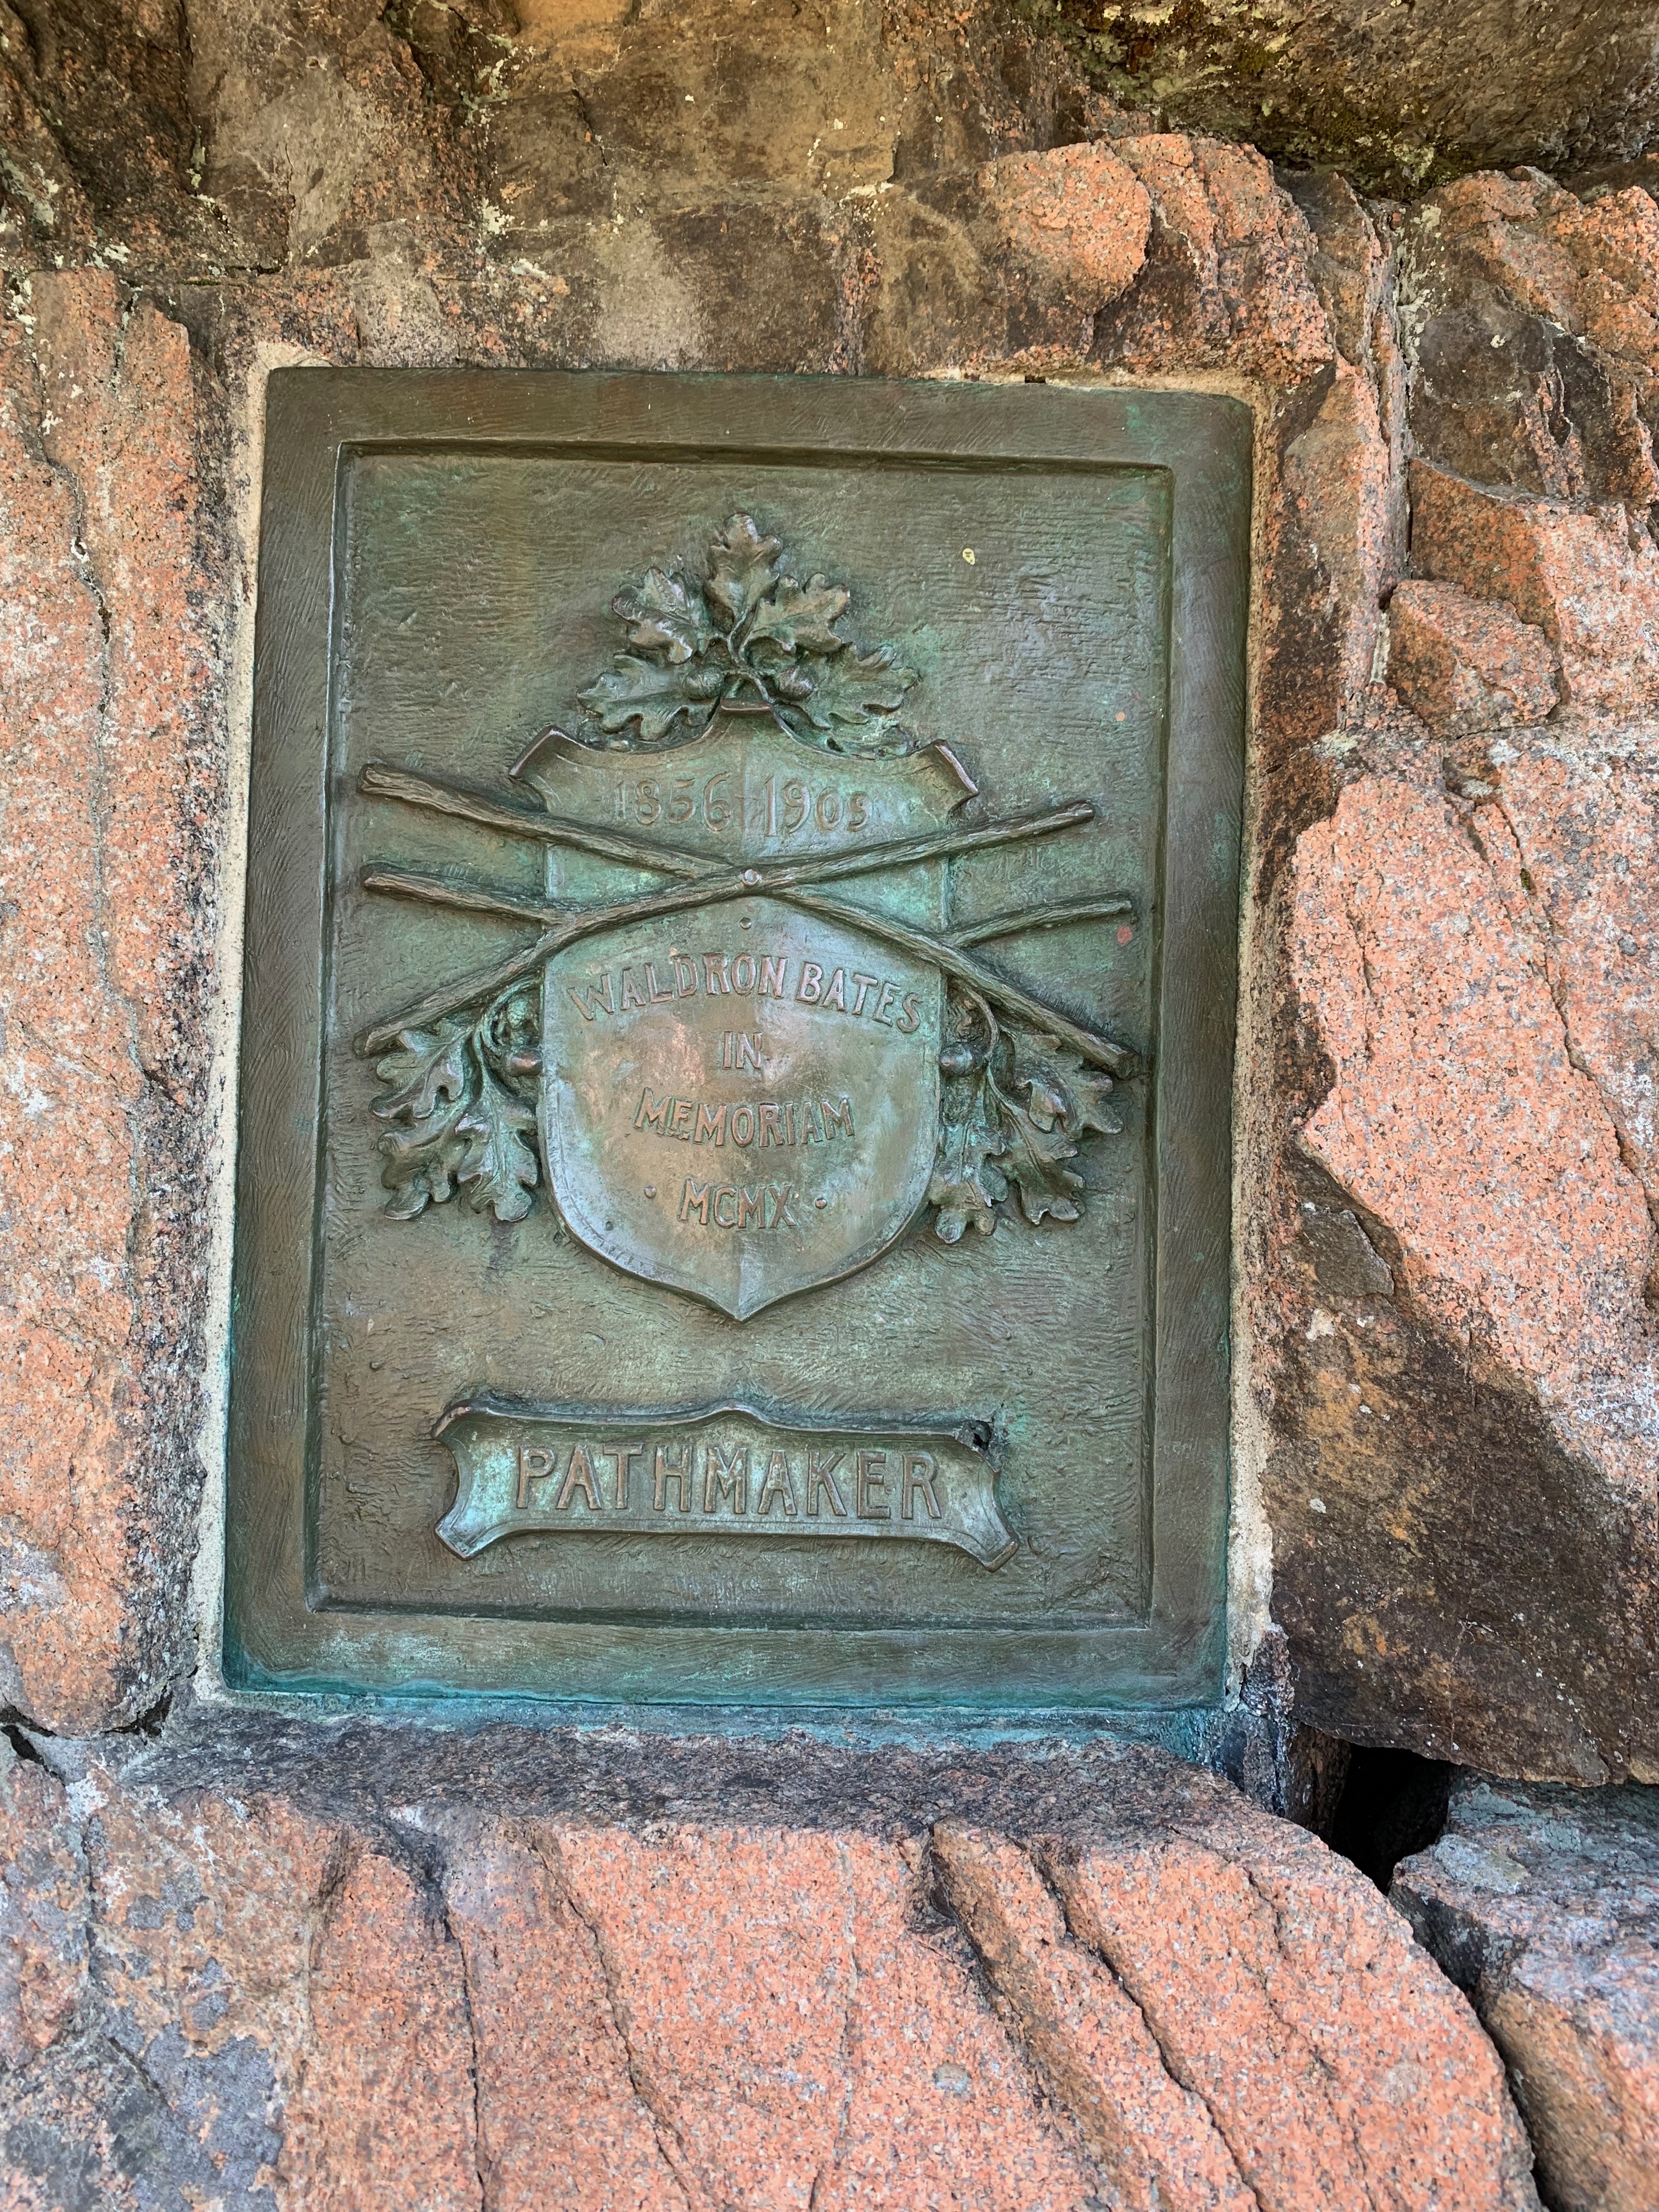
{"type": "Point", "coordinates": [733, 1186]}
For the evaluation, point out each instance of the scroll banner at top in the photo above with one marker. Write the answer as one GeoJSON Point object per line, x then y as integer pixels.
{"type": "Point", "coordinates": [721, 1470]}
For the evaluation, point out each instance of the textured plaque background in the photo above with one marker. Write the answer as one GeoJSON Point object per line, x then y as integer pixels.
{"type": "Point", "coordinates": [438, 562]}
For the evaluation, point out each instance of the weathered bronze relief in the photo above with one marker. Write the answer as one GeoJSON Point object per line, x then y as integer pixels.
{"type": "Point", "coordinates": [792, 1041]}
{"type": "Point", "coordinates": [733, 1193]}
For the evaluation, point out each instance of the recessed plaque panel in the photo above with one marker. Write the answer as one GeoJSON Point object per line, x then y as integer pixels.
{"type": "Point", "coordinates": [733, 1184]}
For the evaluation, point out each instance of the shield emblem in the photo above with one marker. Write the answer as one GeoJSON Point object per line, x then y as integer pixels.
{"type": "Point", "coordinates": [741, 1102]}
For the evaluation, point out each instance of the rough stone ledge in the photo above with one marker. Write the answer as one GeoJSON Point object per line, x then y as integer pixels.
{"type": "Point", "coordinates": [270, 1962]}
{"type": "Point", "coordinates": [680, 1763]}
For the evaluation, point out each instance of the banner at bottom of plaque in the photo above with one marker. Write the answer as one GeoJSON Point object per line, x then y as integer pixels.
{"type": "Point", "coordinates": [723, 1470]}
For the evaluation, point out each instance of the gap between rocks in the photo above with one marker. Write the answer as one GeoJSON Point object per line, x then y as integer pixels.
{"type": "Point", "coordinates": [670, 2147]}
{"type": "Point", "coordinates": [1340, 2103]}
{"type": "Point", "coordinates": [1393, 1803]}
{"type": "Point", "coordinates": [844, 2052]}
{"type": "Point", "coordinates": [1031, 2032]}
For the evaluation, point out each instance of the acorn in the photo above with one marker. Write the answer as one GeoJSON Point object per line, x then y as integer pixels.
{"type": "Point", "coordinates": [957, 1059]}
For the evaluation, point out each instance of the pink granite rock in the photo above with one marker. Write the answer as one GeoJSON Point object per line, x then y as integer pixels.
{"type": "Point", "coordinates": [69, 1102]}
{"type": "Point", "coordinates": [109, 785]}
{"type": "Point", "coordinates": [1590, 580]}
{"type": "Point", "coordinates": [1587, 266]}
{"type": "Point", "coordinates": [43, 1910]}
{"type": "Point", "coordinates": [383, 2108]}
{"type": "Point", "coordinates": [1260, 1941]}
{"type": "Point", "coordinates": [1461, 1483]}
{"type": "Point", "coordinates": [1456, 1115]}
{"type": "Point", "coordinates": [205, 1923]}
{"type": "Point", "coordinates": [1329, 546]}
{"type": "Point", "coordinates": [1228, 276]}
{"type": "Point", "coordinates": [1615, 241]}
{"type": "Point", "coordinates": [1152, 2135]}
{"type": "Point", "coordinates": [1544, 1904]}
{"type": "Point", "coordinates": [1464, 665]}
{"type": "Point", "coordinates": [1533, 327]}
{"type": "Point", "coordinates": [539, 1998]}
{"type": "Point", "coordinates": [411, 1971]}
{"type": "Point", "coordinates": [1077, 215]}
{"type": "Point", "coordinates": [796, 2042]}
{"type": "Point", "coordinates": [1579, 868]}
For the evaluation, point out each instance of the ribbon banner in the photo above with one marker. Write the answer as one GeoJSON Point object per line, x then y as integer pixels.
{"type": "Point", "coordinates": [723, 1470]}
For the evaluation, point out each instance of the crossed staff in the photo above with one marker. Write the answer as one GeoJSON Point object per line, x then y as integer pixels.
{"type": "Point", "coordinates": [703, 885]}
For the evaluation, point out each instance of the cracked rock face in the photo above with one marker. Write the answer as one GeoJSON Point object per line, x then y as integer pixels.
{"type": "Point", "coordinates": [498, 1972]}
{"type": "Point", "coordinates": [1471, 963]}
{"type": "Point", "coordinates": [113, 783]}
{"type": "Point", "coordinates": [1466, 665]}
{"type": "Point", "coordinates": [1544, 1904]}
{"type": "Point", "coordinates": [1454, 1077]}
{"type": "Point", "coordinates": [1462, 1490]}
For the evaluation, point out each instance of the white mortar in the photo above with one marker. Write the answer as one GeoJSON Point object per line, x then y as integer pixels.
{"type": "Point", "coordinates": [246, 471]}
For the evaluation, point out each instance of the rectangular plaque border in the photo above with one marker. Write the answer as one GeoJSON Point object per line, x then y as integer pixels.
{"type": "Point", "coordinates": [280, 1631]}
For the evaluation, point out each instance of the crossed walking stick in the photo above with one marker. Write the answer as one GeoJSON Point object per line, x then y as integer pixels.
{"type": "Point", "coordinates": [701, 885]}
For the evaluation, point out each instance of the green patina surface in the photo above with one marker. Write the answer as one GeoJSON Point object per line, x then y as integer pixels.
{"type": "Point", "coordinates": [741, 950]}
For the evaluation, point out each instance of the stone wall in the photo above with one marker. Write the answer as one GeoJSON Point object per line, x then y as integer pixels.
{"type": "Point", "coordinates": [1446, 1530]}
